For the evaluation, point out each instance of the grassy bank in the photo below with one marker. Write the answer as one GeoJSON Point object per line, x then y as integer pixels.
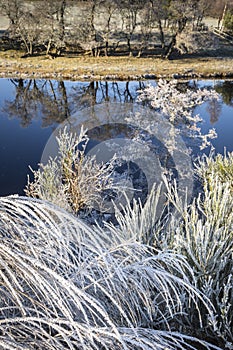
{"type": "Point", "coordinates": [67, 285]}
{"type": "Point", "coordinates": [112, 68]}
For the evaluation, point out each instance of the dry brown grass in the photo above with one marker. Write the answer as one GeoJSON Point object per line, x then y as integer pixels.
{"type": "Point", "coordinates": [118, 68]}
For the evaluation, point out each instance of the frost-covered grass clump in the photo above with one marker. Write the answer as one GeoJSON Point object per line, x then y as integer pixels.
{"type": "Point", "coordinates": [219, 167]}
{"type": "Point", "coordinates": [138, 284]}
{"type": "Point", "coordinates": [205, 237]}
{"type": "Point", "coordinates": [65, 285]}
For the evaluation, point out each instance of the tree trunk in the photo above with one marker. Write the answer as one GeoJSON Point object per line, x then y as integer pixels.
{"type": "Point", "coordinates": [161, 34]}
{"type": "Point", "coordinates": [61, 25]}
{"type": "Point", "coordinates": [30, 48]}
{"type": "Point", "coordinates": [170, 48]}
{"type": "Point", "coordinates": [129, 46]}
{"type": "Point", "coordinates": [106, 48]}
{"type": "Point", "coordinates": [48, 47]}
{"type": "Point", "coordinates": [93, 31]}
{"type": "Point", "coordinates": [221, 24]}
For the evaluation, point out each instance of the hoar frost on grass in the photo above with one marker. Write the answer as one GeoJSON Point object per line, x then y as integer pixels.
{"type": "Point", "coordinates": [72, 180]}
{"type": "Point", "coordinates": [178, 107]}
{"type": "Point", "coordinates": [67, 286]}
{"type": "Point", "coordinates": [205, 237]}
{"type": "Point", "coordinates": [141, 283]}
{"type": "Point", "coordinates": [138, 284]}
{"type": "Point", "coordinates": [220, 166]}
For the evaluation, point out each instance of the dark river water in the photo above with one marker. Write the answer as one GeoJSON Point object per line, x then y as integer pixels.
{"type": "Point", "coordinates": [30, 110]}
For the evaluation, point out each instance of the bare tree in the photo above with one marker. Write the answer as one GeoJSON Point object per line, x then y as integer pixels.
{"type": "Point", "coordinates": [95, 25]}
{"type": "Point", "coordinates": [83, 31]}
{"type": "Point", "coordinates": [200, 9]}
{"type": "Point", "coordinates": [129, 11]}
{"type": "Point", "coordinates": [12, 9]}
{"type": "Point", "coordinates": [146, 26]}
{"type": "Point", "coordinates": [94, 36]}
{"type": "Point", "coordinates": [180, 12]}
{"type": "Point", "coordinates": [52, 24]}
{"type": "Point", "coordinates": [106, 11]}
{"type": "Point", "coordinates": [24, 23]}
{"type": "Point", "coordinates": [160, 15]}
{"type": "Point", "coordinates": [28, 30]}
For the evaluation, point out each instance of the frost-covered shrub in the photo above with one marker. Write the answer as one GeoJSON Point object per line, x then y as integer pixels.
{"type": "Point", "coordinates": [75, 181]}
{"type": "Point", "coordinates": [178, 107]}
{"type": "Point", "coordinates": [72, 180]}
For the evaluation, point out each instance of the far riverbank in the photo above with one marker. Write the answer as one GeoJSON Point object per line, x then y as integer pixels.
{"type": "Point", "coordinates": [113, 68]}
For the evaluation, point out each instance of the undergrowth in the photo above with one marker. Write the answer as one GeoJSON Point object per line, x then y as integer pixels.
{"type": "Point", "coordinates": [219, 166]}
{"type": "Point", "coordinates": [72, 180]}
{"type": "Point", "coordinates": [65, 285]}
{"type": "Point", "coordinates": [136, 284]}
{"type": "Point", "coordinates": [205, 237]}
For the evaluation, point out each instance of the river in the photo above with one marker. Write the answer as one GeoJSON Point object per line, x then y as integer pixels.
{"type": "Point", "coordinates": [30, 110]}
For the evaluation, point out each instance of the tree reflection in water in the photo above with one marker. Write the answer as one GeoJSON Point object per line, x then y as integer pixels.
{"type": "Point", "coordinates": [214, 108]}
{"type": "Point", "coordinates": [54, 101]}
{"type": "Point", "coordinates": [225, 88]}
{"type": "Point", "coordinates": [36, 98]}
{"type": "Point", "coordinates": [50, 102]}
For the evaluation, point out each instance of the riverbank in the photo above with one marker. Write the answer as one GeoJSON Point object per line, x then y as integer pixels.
{"type": "Point", "coordinates": [113, 68]}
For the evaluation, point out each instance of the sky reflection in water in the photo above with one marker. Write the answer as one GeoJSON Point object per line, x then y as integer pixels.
{"type": "Point", "coordinates": [31, 110]}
